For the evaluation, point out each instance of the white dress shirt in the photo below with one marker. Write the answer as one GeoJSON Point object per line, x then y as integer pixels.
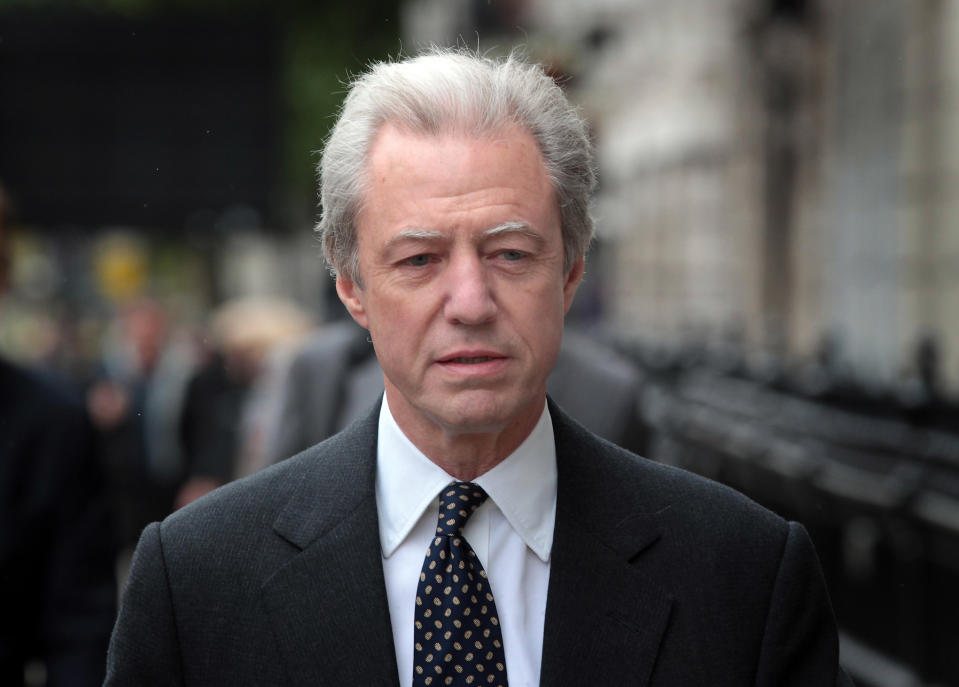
{"type": "Point", "coordinates": [511, 533]}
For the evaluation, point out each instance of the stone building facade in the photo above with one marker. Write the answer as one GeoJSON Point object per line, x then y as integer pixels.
{"type": "Point", "coordinates": [780, 174]}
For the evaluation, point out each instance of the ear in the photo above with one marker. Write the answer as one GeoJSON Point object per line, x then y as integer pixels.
{"type": "Point", "coordinates": [573, 279]}
{"type": "Point", "coordinates": [352, 296]}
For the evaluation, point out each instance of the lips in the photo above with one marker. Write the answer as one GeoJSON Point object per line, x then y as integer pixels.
{"type": "Point", "coordinates": [471, 357]}
{"type": "Point", "coordinates": [474, 364]}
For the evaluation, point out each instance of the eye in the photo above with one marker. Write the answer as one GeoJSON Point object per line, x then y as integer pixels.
{"type": "Point", "coordinates": [512, 255]}
{"type": "Point", "coordinates": [421, 260]}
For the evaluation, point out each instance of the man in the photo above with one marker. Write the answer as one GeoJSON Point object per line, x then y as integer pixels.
{"type": "Point", "coordinates": [58, 596]}
{"type": "Point", "coordinates": [466, 531]}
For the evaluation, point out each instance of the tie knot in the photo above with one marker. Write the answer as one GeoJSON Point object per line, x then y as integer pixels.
{"type": "Point", "coordinates": [457, 503]}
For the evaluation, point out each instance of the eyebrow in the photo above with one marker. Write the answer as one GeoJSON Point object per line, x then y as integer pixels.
{"type": "Point", "coordinates": [415, 234]}
{"type": "Point", "coordinates": [412, 234]}
{"type": "Point", "coordinates": [514, 228]}
{"type": "Point", "coordinates": [418, 234]}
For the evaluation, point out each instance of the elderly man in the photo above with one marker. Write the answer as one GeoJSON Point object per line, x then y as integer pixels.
{"type": "Point", "coordinates": [468, 532]}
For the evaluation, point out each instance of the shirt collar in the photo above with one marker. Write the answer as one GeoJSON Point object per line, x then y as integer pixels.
{"type": "Point", "coordinates": [523, 486]}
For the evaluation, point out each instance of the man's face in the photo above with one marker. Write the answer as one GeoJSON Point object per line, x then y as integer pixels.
{"type": "Point", "coordinates": [464, 292]}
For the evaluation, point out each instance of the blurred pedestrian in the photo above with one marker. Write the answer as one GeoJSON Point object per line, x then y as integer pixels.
{"type": "Point", "coordinates": [334, 378]}
{"type": "Point", "coordinates": [135, 404]}
{"type": "Point", "coordinates": [227, 398]}
{"type": "Point", "coordinates": [57, 587]}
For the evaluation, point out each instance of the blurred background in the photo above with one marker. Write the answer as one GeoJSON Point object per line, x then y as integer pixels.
{"type": "Point", "coordinates": [777, 252]}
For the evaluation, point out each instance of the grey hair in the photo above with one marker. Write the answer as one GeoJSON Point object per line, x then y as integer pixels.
{"type": "Point", "coordinates": [459, 92]}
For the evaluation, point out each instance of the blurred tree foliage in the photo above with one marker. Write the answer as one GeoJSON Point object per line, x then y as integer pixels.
{"type": "Point", "coordinates": [324, 47]}
{"type": "Point", "coordinates": [322, 44]}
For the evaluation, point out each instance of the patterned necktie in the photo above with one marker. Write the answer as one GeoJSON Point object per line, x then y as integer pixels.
{"type": "Point", "coordinates": [456, 634]}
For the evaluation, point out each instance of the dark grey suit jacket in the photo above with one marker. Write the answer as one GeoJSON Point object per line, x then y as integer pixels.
{"type": "Point", "coordinates": [658, 578]}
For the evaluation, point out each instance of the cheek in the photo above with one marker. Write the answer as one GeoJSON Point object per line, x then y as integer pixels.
{"type": "Point", "coordinates": [537, 316]}
{"type": "Point", "coordinates": [395, 332]}
{"type": "Point", "coordinates": [544, 304]}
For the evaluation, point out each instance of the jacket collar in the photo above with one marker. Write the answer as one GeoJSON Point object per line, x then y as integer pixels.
{"type": "Point", "coordinates": [327, 604]}
{"type": "Point", "coordinates": [602, 608]}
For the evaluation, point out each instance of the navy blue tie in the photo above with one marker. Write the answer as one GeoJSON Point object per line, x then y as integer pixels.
{"type": "Point", "coordinates": [456, 634]}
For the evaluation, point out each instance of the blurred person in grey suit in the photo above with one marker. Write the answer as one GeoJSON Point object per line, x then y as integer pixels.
{"type": "Point", "coordinates": [466, 530]}
{"type": "Point", "coordinates": [334, 378]}
{"type": "Point", "coordinates": [57, 586]}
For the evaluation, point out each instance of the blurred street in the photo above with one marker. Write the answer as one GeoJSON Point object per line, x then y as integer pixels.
{"type": "Point", "coordinates": [776, 270]}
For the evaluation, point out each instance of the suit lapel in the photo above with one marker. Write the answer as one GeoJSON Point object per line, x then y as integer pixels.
{"type": "Point", "coordinates": [328, 605]}
{"type": "Point", "coordinates": [605, 617]}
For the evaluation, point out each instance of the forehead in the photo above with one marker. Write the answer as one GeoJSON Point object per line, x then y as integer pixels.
{"type": "Point", "coordinates": [442, 181]}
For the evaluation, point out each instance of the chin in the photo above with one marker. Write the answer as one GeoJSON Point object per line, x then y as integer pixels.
{"type": "Point", "coordinates": [479, 413]}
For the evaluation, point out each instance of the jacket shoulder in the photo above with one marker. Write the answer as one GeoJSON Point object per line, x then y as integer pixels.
{"type": "Point", "coordinates": [326, 478]}
{"type": "Point", "coordinates": [608, 482]}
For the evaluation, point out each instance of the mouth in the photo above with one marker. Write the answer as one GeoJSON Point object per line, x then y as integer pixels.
{"type": "Point", "coordinates": [474, 363]}
{"type": "Point", "coordinates": [471, 360]}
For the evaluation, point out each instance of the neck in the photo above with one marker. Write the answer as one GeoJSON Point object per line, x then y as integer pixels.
{"type": "Point", "coordinates": [464, 453]}
{"type": "Point", "coordinates": [467, 456]}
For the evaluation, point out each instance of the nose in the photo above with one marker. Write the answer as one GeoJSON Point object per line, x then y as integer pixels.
{"type": "Point", "coordinates": [469, 300]}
